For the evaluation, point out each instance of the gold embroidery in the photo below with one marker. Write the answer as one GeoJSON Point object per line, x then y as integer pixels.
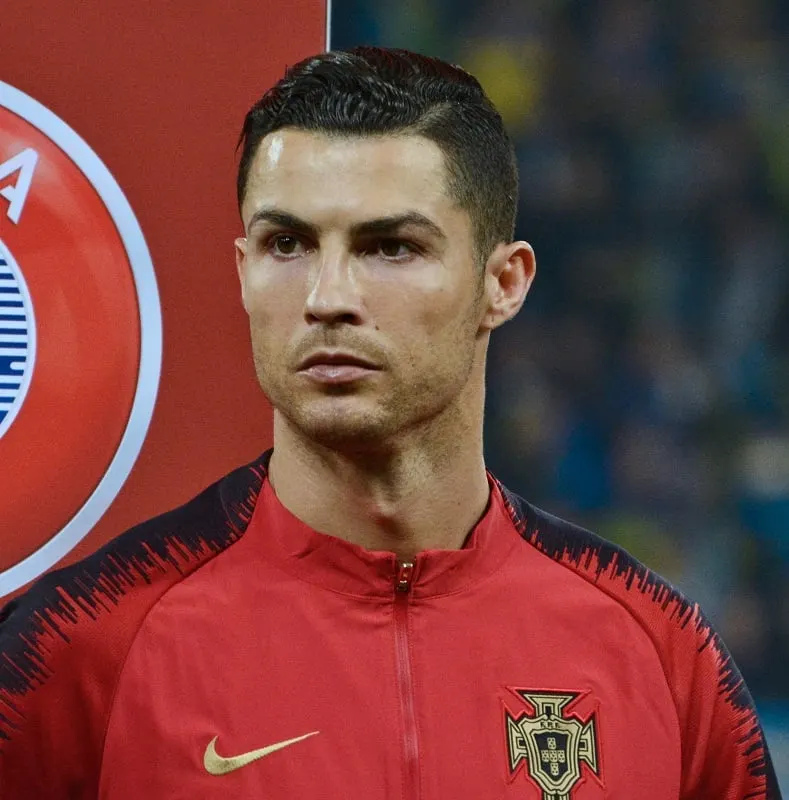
{"type": "Point", "coordinates": [553, 746]}
{"type": "Point", "coordinates": [219, 765]}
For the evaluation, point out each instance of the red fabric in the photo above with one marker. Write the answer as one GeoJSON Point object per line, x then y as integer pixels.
{"type": "Point", "coordinates": [285, 631]}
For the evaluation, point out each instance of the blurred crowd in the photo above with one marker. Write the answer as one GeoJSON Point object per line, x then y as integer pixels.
{"type": "Point", "coordinates": [644, 389]}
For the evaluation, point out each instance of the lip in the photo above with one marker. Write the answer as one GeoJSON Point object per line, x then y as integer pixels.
{"type": "Point", "coordinates": [336, 367]}
{"type": "Point", "coordinates": [336, 373]}
{"type": "Point", "coordinates": [335, 358]}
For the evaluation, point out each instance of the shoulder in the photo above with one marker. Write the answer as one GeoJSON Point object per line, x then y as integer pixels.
{"type": "Point", "coordinates": [64, 641]}
{"type": "Point", "coordinates": [716, 713]}
{"type": "Point", "coordinates": [609, 568]}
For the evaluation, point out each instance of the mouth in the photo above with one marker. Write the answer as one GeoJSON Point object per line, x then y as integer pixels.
{"type": "Point", "coordinates": [332, 367]}
{"type": "Point", "coordinates": [335, 358]}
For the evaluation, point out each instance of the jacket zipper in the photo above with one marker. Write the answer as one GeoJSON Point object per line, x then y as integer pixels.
{"type": "Point", "coordinates": [405, 684]}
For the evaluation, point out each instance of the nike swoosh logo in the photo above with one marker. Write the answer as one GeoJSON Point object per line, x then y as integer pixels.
{"type": "Point", "coordinates": [218, 765]}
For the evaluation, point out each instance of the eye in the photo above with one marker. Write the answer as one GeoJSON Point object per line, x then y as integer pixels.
{"type": "Point", "coordinates": [394, 249]}
{"type": "Point", "coordinates": [285, 244]}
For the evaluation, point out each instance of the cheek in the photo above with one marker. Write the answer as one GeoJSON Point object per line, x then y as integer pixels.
{"type": "Point", "coordinates": [440, 334]}
{"type": "Point", "coordinates": [274, 311]}
{"type": "Point", "coordinates": [446, 315]}
{"type": "Point", "coordinates": [270, 295]}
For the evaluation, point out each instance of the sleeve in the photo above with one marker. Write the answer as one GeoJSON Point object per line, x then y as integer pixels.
{"type": "Point", "coordinates": [64, 642]}
{"type": "Point", "coordinates": [52, 702]}
{"type": "Point", "coordinates": [724, 752]}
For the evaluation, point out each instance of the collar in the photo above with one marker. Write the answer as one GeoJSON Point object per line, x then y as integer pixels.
{"type": "Point", "coordinates": [340, 566]}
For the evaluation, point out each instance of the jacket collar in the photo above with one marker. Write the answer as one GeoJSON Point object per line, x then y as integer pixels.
{"type": "Point", "coordinates": [340, 566]}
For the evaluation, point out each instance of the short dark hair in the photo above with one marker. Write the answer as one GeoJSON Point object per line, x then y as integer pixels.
{"type": "Point", "coordinates": [372, 91]}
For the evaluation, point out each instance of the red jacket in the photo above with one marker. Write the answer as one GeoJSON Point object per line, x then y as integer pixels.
{"type": "Point", "coordinates": [226, 650]}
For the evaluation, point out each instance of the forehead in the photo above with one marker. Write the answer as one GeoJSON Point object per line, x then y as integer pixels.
{"type": "Point", "coordinates": [320, 175]}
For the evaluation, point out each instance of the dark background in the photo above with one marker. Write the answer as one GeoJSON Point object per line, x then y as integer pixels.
{"type": "Point", "coordinates": [644, 389]}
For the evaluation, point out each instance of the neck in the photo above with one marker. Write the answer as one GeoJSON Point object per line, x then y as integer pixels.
{"type": "Point", "coordinates": [422, 494]}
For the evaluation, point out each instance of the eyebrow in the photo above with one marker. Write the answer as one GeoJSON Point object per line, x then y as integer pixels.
{"type": "Point", "coordinates": [381, 226]}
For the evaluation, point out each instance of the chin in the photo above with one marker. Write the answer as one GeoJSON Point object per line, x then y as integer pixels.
{"type": "Point", "coordinates": [337, 426]}
{"type": "Point", "coordinates": [346, 435]}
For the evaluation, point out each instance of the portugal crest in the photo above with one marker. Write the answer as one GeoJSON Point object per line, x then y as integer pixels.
{"type": "Point", "coordinates": [550, 744]}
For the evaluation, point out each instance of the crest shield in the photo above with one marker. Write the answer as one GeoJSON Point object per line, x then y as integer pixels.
{"type": "Point", "coordinates": [552, 746]}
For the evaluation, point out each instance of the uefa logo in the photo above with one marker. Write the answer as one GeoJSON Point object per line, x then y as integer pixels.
{"type": "Point", "coordinates": [17, 339]}
{"type": "Point", "coordinates": [80, 339]}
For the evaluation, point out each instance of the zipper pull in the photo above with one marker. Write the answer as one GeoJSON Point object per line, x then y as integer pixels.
{"type": "Point", "coordinates": [405, 574]}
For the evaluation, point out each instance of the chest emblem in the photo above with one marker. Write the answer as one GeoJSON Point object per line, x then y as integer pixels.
{"type": "Point", "coordinates": [551, 744]}
{"type": "Point", "coordinates": [221, 765]}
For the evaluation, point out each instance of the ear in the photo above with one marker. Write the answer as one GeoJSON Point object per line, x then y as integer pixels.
{"type": "Point", "coordinates": [241, 264]}
{"type": "Point", "coordinates": [509, 273]}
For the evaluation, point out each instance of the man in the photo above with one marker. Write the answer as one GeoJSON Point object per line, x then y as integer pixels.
{"type": "Point", "coordinates": [365, 612]}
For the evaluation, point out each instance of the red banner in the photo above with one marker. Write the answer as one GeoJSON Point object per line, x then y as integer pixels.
{"type": "Point", "coordinates": [126, 380]}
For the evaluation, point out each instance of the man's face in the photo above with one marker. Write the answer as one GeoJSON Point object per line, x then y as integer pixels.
{"type": "Point", "coordinates": [359, 278]}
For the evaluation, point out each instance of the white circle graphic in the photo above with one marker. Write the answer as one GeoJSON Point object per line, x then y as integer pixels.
{"type": "Point", "coordinates": [149, 306]}
{"type": "Point", "coordinates": [17, 339]}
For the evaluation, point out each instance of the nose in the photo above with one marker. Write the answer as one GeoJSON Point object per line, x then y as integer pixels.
{"type": "Point", "coordinates": [334, 296]}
